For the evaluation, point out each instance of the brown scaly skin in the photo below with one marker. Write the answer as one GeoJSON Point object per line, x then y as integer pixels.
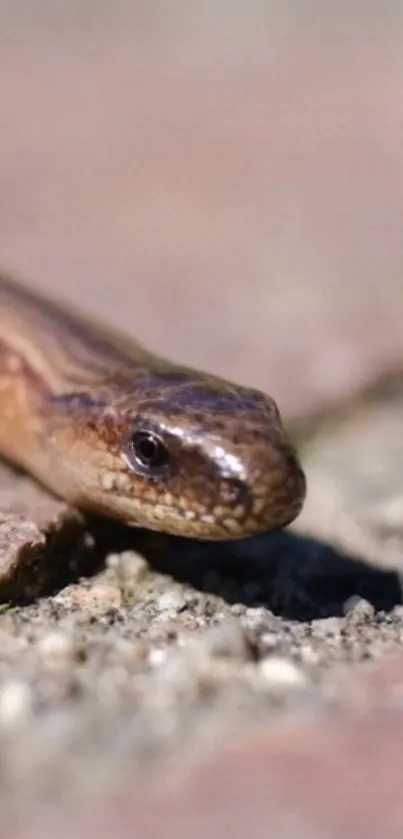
{"type": "Point", "coordinates": [75, 399]}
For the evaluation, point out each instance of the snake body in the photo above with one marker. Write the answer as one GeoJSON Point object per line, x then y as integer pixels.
{"type": "Point", "coordinates": [112, 428]}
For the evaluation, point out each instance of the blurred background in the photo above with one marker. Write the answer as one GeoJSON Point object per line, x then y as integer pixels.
{"type": "Point", "coordinates": [224, 180]}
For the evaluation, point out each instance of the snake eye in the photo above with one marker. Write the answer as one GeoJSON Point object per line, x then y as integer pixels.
{"type": "Point", "coordinates": [148, 452]}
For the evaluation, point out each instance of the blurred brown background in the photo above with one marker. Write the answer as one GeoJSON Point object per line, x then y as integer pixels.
{"type": "Point", "coordinates": [224, 180]}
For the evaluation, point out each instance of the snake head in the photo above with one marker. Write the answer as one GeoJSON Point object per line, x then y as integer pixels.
{"type": "Point", "coordinates": [183, 453]}
{"type": "Point", "coordinates": [196, 456]}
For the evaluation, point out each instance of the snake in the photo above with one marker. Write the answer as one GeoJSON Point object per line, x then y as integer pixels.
{"type": "Point", "coordinates": [116, 430]}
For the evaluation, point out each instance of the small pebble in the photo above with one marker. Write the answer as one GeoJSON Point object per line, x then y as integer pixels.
{"type": "Point", "coordinates": [131, 652]}
{"type": "Point", "coordinates": [157, 656]}
{"type": "Point", "coordinates": [309, 655]}
{"type": "Point", "coordinates": [238, 609]}
{"type": "Point", "coordinates": [327, 626]}
{"type": "Point", "coordinates": [15, 704]}
{"type": "Point", "coordinates": [259, 620]}
{"type": "Point", "coordinates": [171, 601]}
{"type": "Point", "coordinates": [129, 566]}
{"type": "Point", "coordinates": [358, 610]}
{"type": "Point", "coordinates": [98, 598]}
{"type": "Point", "coordinates": [269, 641]}
{"type": "Point", "coordinates": [228, 640]}
{"type": "Point", "coordinates": [58, 648]}
{"type": "Point", "coordinates": [282, 673]}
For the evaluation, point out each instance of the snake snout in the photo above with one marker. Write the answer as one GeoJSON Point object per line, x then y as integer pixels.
{"type": "Point", "coordinates": [280, 489]}
{"type": "Point", "coordinates": [267, 496]}
{"type": "Point", "coordinates": [273, 491]}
